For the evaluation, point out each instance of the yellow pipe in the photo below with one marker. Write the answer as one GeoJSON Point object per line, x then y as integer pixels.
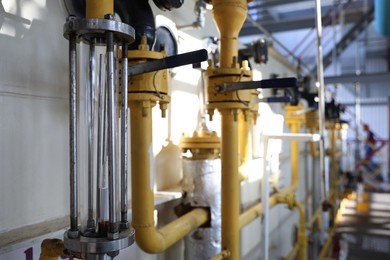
{"type": "Point", "coordinates": [302, 237]}
{"type": "Point", "coordinates": [229, 16]}
{"type": "Point", "coordinates": [222, 255]}
{"type": "Point", "coordinates": [315, 216]}
{"type": "Point", "coordinates": [98, 9]}
{"type": "Point", "coordinates": [293, 253]}
{"type": "Point", "coordinates": [148, 238]}
{"type": "Point", "coordinates": [244, 124]}
{"type": "Point", "coordinates": [230, 183]}
{"type": "Point", "coordinates": [255, 211]}
{"type": "Point", "coordinates": [327, 244]}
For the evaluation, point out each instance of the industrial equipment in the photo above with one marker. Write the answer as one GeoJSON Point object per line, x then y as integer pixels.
{"type": "Point", "coordinates": [101, 228]}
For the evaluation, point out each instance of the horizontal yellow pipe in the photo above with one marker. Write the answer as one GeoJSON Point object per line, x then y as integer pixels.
{"type": "Point", "coordinates": [148, 238]}
{"type": "Point", "coordinates": [293, 253]}
{"type": "Point", "coordinates": [255, 211]}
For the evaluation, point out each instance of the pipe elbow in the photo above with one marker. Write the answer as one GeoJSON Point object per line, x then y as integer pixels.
{"type": "Point", "coordinates": [150, 240]}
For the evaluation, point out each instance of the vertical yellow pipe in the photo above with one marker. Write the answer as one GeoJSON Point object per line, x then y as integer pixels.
{"type": "Point", "coordinates": [141, 154]}
{"type": "Point", "coordinates": [291, 202]}
{"type": "Point", "coordinates": [99, 8]}
{"type": "Point", "coordinates": [148, 238]}
{"type": "Point", "coordinates": [302, 237]}
{"type": "Point", "coordinates": [229, 16]}
{"type": "Point", "coordinates": [230, 183]}
{"type": "Point", "coordinates": [294, 127]}
{"type": "Point", "coordinates": [244, 124]}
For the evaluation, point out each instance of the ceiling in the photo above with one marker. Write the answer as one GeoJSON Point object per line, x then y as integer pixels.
{"type": "Point", "coordinates": [352, 50]}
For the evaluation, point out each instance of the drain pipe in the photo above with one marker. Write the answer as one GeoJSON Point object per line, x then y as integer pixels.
{"type": "Point", "coordinates": [200, 10]}
{"type": "Point", "coordinates": [321, 103]}
{"type": "Point", "coordinates": [148, 238]}
{"type": "Point", "coordinates": [321, 121]}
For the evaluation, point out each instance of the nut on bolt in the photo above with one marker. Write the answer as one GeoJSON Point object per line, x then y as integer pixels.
{"type": "Point", "coordinates": [163, 107]}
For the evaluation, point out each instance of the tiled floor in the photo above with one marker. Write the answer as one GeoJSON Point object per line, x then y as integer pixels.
{"type": "Point", "coordinates": [364, 228]}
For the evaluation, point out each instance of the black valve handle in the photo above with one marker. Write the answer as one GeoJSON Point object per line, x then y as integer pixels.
{"type": "Point", "coordinates": [168, 62]}
{"type": "Point", "coordinates": [284, 99]}
{"type": "Point", "coordinates": [266, 83]}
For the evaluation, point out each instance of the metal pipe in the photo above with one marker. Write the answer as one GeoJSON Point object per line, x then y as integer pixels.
{"type": "Point", "coordinates": [148, 238]}
{"type": "Point", "coordinates": [124, 134]}
{"type": "Point", "coordinates": [111, 133]}
{"type": "Point", "coordinates": [333, 158]}
{"type": "Point", "coordinates": [100, 134]}
{"type": "Point", "coordinates": [230, 182]}
{"type": "Point", "coordinates": [357, 91]}
{"type": "Point", "coordinates": [265, 201]}
{"type": "Point", "coordinates": [90, 109]}
{"type": "Point", "coordinates": [295, 125]}
{"type": "Point", "coordinates": [74, 208]}
{"type": "Point", "coordinates": [321, 102]}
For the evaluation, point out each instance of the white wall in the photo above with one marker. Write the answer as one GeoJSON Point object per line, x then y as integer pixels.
{"type": "Point", "coordinates": [33, 114]}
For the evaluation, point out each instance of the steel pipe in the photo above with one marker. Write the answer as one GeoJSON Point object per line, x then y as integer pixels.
{"type": "Point", "coordinates": [321, 102]}
{"type": "Point", "coordinates": [74, 207]}
{"type": "Point", "coordinates": [90, 109]}
{"type": "Point", "coordinates": [100, 137]}
{"type": "Point", "coordinates": [124, 135]}
{"type": "Point", "coordinates": [111, 133]}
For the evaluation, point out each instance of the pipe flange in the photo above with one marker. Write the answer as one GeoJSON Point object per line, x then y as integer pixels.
{"type": "Point", "coordinates": [294, 115]}
{"type": "Point", "coordinates": [99, 245]}
{"type": "Point", "coordinates": [202, 144]}
{"type": "Point", "coordinates": [94, 29]}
